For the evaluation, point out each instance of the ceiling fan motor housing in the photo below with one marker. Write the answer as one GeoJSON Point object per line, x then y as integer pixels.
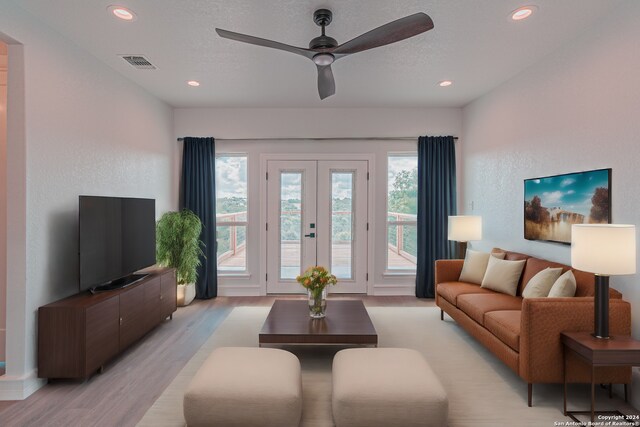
{"type": "Point", "coordinates": [322, 17]}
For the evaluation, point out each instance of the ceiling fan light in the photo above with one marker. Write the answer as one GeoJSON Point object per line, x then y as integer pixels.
{"type": "Point", "coordinates": [323, 59]}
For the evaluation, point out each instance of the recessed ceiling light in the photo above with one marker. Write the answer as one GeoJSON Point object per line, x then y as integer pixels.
{"type": "Point", "coordinates": [523, 12]}
{"type": "Point", "coordinates": [122, 12]}
{"type": "Point", "coordinates": [445, 83]}
{"type": "Point", "coordinates": [193, 83]}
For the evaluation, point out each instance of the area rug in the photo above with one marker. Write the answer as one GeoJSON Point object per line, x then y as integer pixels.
{"type": "Point", "coordinates": [482, 391]}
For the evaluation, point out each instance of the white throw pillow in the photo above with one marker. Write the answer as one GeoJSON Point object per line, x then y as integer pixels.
{"type": "Point", "coordinates": [503, 276]}
{"type": "Point", "coordinates": [540, 284]}
{"type": "Point", "coordinates": [564, 287]}
{"type": "Point", "coordinates": [475, 265]}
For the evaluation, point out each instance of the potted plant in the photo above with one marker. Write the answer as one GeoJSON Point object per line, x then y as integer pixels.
{"type": "Point", "coordinates": [178, 245]}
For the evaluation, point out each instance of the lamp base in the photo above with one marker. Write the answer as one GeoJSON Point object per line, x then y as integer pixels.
{"type": "Point", "coordinates": [462, 249]}
{"type": "Point", "coordinates": [601, 308]}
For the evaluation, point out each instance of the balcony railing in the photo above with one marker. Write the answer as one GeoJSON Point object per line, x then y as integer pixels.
{"type": "Point", "coordinates": [397, 244]}
{"type": "Point", "coordinates": [236, 245]}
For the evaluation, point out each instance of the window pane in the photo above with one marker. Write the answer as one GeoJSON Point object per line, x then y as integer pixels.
{"type": "Point", "coordinates": [402, 206]}
{"type": "Point", "coordinates": [232, 244]}
{"type": "Point", "coordinates": [402, 251]}
{"type": "Point", "coordinates": [231, 188]}
{"type": "Point", "coordinates": [342, 224]}
{"type": "Point", "coordinates": [403, 185]}
{"type": "Point", "coordinates": [231, 206]}
{"type": "Point", "coordinates": [290, 224]}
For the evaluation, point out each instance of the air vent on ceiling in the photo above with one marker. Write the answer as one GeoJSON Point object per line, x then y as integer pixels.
{"type": "Point", "coordinates": [139, 62]}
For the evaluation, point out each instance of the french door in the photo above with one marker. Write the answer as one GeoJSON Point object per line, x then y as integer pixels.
{"type": "Point", "coordinates": [317, 215]}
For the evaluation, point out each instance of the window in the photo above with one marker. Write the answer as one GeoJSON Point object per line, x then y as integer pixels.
{"type": "Point", "coordinates": [231, 213]}
{"type": "Point", "coordinates": [402, 210]}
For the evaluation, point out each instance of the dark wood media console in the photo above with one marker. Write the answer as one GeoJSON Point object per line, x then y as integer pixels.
{"type": "Point", "coordinates": [79, 334]}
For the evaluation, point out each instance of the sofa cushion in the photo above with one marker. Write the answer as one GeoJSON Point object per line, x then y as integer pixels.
{"type": "Point", "coordinates": [475, 265]}
{"type": "Point", "coordinates": [505, 325]}
{"type": "Point", "coordinates": [511, 256]}
{"type": "Point", "coordinates": [564, 287]}
{"type": "Point", "coordinates": [451, 290]}
{"type": "Point", "coordinates": [503, 276]}
{"type": "Point", "coordinates": [536, 265]}
{"type": "Point", "coordinates": [540, 284]}
{"type": "Point", "coordinates": [476, 305]}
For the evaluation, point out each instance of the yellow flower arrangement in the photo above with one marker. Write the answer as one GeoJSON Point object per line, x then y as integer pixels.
{"type": "Point", "coordinates": [315, 279]}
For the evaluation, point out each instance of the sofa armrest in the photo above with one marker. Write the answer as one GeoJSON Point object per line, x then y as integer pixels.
{"type": "Point", "coordinates": [543, 319]}
{"type": "Point", "coordinates": [448, 270]}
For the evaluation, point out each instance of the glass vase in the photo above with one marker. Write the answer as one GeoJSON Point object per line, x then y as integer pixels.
{"type": "Point", "coordinates": [317, 302]}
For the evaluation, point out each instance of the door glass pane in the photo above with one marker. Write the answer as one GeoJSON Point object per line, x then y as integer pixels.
{"type": "Point", "coordinates": [290, 224]}
{"type": "Point", "coordinates": [342, 224]}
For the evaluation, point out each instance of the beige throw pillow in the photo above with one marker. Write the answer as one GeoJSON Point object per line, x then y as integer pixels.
{"type": "Point", "coordinates": [503, 276]}
{"type": "Point", "coordinates": [475, 265]}
{"type": "Point", "coordinates": [564, 287]}
{"type": "Point", "coordinates": [540, 284]}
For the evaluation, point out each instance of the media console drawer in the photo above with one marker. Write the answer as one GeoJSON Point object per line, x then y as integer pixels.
{"type": "Point", "coordinates": [79, 334]}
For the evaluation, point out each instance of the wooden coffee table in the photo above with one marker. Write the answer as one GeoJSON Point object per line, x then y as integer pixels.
{"type": "Point", "coordinates": [346, 322]}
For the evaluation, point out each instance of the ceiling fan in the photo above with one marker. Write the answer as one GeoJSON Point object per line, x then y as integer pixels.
{"type": "Point", "coordinates": [324, 50]}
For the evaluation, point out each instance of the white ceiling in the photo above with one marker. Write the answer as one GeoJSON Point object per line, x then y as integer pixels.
{"type": "Point", "coordinates": [473, 43]}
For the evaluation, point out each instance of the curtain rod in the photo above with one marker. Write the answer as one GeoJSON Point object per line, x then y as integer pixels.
{"type": "Point", "coordinates": [351, 138]}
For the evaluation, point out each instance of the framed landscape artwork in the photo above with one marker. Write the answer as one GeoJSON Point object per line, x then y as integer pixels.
{"type": "Point", "coordinates": [553, 203]}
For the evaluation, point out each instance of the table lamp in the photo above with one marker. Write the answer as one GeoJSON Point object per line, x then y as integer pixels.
{"type": "Point", "coordinates": [465, 228]}
{"type": "Point", "coordinates": [605, 250]}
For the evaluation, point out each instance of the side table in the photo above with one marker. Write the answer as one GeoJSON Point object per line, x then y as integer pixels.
{"type": "Point", "coordinates": [615, 351]}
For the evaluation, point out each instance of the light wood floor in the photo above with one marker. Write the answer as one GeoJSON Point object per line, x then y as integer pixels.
{"type": "Point", "coordinates": [132, 382]}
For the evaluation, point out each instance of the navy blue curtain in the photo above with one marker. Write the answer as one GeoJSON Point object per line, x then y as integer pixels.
{"type": "Point", "coordinates": [436, 201]}
{"type": "Point", "coordinates": [198, 194]}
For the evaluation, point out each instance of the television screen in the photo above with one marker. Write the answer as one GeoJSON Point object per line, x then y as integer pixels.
{"type": "Point", "coordinates": [117, 237]}
{"type": "Point", "coordinates": [552, 204]}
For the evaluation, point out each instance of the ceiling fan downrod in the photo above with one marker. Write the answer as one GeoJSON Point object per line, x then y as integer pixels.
{"type": "Point", "coordinates": [322, 18]}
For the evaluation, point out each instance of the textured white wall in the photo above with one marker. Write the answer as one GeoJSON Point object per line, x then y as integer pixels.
{"type": "Point", "coordinates": [318, 123]}
{"type": "Point", "coordinates": [248, 123]}
{"type": "Point", "coordinates": [88, 131]}
{"type": "Point", "coordinates": [576, 110]}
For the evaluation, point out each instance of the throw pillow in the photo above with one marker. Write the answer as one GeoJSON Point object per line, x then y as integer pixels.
{"type": "Point", "coordinates": [475, 265]}
{"type": "Point", "coordinates": [564, 287]}
{"type": "Point", "coordinates": [540, 284]}
{"type": "Point", "coordinates": [503, 276]}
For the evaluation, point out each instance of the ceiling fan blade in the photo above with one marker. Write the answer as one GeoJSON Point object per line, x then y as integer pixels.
{"type": "Point", "coordinates": [392, 32]}
{"type": "Point", "coordinates": [326, 84]}
{"type": "Point", "coordinates": [264, 42]}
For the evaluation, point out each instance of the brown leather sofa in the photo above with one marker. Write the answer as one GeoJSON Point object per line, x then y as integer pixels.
{"type": "Point", "coordinates": [525, 333]}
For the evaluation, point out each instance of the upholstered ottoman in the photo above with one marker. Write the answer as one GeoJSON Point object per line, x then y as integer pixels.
{"type": "Point", "coordinates": [386, 387]}
{"type": "Point", "coordinates": [245, 387]}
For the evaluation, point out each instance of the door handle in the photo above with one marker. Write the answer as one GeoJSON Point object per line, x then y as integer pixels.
{"type": "Point", "coordinates": [312, 235]}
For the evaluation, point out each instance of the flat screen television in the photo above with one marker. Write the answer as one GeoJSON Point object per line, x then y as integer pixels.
{"type": "Point", "coordinates": [117, 237]}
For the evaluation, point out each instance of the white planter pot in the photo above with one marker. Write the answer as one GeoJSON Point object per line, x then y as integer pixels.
{"type": "Point", "coordinates": [186, 294]}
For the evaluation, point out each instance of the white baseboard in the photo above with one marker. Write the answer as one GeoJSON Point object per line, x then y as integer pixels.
{"type": "Point", "coordinates": [19, 388]}
{"type": "Point", "coordinates": [394, 290]}
{"type": "Point", "coordinates": [239, 290]}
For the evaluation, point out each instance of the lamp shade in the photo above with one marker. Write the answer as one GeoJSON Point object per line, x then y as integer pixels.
{"type": "Point", "coordinates": [464, 228]}
{"type": "Point", "coordinates": [604, 249]}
